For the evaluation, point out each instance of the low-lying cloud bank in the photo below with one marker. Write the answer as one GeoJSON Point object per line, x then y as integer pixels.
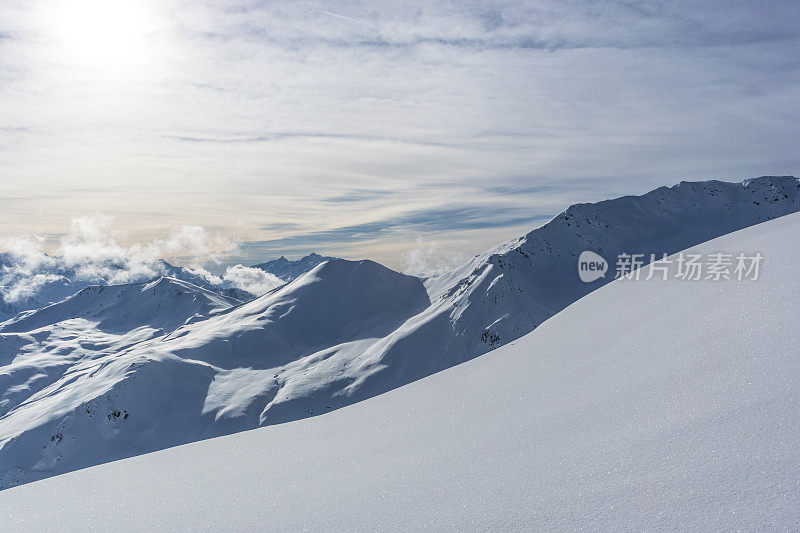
{"type": "Point", "coordinates": [252, 280]}
{"type": "Point", "coordinates": [91, 253]}
{"type": "Point", "coordinates": [428, 258]}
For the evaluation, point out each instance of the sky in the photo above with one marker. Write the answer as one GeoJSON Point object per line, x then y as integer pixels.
{"type": "Point", "coordinates": [401, 132]}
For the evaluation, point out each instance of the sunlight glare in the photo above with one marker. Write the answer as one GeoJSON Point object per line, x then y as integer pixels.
{"type": "Point", "coordinates": [101, 33]}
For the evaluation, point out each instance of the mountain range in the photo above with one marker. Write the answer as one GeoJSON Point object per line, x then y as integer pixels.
{"type": "Point", "coordinates": [32, 284]}
{"type": "Point", "coordinates": [647, 405]}
{"type": "Point", "coordinates": [289, 270]}
{"type": "Point", "coordinates": [117, 371]}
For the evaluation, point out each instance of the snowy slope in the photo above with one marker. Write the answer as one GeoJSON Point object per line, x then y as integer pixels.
{"type": "Point", "coordinates": [30, 283]}
{"type": "Point", "coordinates": [74, 358]}
{"type": "Point", "coordinates": [338, 301]}
{"type": "Point", "coordinates": [341, 333]}
{"type": "Point", "coordinates": [506, 292]}
{"type": "Point", "coordinates": [290, 270]}
{"type": "Point", "coordinates": [645, 405]}
{"type": "Point", "coordinates": [522, 283]}
{"type": "Point", "coordinates": [83, 382]}
{"type": "Point", "coordinates": [162, 304]}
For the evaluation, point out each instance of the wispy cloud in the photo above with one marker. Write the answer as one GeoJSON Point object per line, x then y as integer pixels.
{"type": "Point", "coordinates": [440, 220]}
{"type": "Point", "coordinates": [283, 136]}
{"type": "Point", "coordinates": [428, 258]}
{"type": "Point", "coordinates": [275, 122]}
{"type": "Point", "coordinates": [359, 195]}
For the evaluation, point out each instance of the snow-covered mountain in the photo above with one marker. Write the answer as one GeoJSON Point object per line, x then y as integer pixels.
{"type": "Point", "coordinates": [40, 347]}
{"type": "Point", "coordinates": [341, 333]}
{"type": "Point", "coordinates": [339, 301]}
{"type": "Point", "coordinates": [516, 286]}
{"type": "Point", "coordinates": [288, 270]}
{"type": "Point", "coordinates": [646, 405]}
{"type": "Point", "coordinates": [44, 284]}
{"type": "Point", "coordinates": [31, 284]}
{"type": "Point", "coordinates": [163, 304]}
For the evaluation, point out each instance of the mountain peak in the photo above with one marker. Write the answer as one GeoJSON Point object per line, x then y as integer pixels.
{"type": "Point", "coordinates": [338, 301]}
{"type": "Point", "coordinates": [288, 270]}
{"type": "Point", "coordinates": [367, 269]}
{"type": "Point", "coordinates": [163, 304]}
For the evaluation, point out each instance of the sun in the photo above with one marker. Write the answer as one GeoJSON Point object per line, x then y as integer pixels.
{"type": "Point", "coordinates": [101, 33]}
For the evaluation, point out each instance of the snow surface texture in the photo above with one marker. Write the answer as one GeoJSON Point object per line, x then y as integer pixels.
{"type": "Point", "coordinates": [113, 373]}
{"type": "Point", "coordinates": [645, 405]}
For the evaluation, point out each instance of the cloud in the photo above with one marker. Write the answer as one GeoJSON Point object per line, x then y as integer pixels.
{"type": "Point", "coordinates": [253, 280]}
{"type": "Point", "coordinates": [435, 219]}
{"type": "Point", "coordinates": [186, 241]}
{"type": "Point", "coordinates": [427, 258]}
{"type": "Point", "coordinates": [26, 250]}
{"type": "Point", "coordinates": [92, 250]}
{"type": "Point", "coordinates": [23, 289]}
{"type": "Point", "coordinates": [359, 195]}
{"type": "Point", "coordinates": [303, 115]}
{"type": "Point", "coordinates": [91, 253]}
{"type": "Point", "coordinates": [275, 136]}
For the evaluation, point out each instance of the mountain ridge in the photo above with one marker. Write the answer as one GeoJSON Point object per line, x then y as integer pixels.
{"type": "Point", "coordinates": [252, 365]}
{"type": "Point", "coordinates": [616, 414]}
{"type": "Point", "coordinates": [289, 270]}
{"type": "Point", "coordinates": [137, 311]}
